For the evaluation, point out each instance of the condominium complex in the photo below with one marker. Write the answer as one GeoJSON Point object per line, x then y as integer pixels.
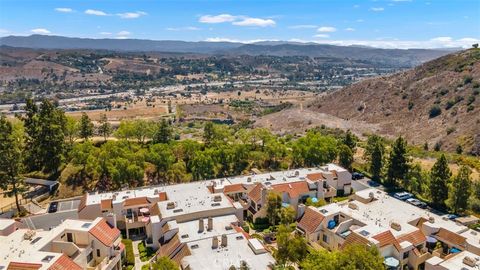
{"type": "Point", "coordinates": [74, 244]}
{"type": "Point", "coordinates": [404, 234]}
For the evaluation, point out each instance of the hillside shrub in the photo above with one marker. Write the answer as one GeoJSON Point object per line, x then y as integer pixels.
{"type": "Point", "coordinates": [435, 111]}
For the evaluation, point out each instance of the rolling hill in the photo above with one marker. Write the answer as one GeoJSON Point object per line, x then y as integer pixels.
{"type": "Point", "coordinates": [391, 57]}
{"type": "Point", "coordinates": [436, 102]}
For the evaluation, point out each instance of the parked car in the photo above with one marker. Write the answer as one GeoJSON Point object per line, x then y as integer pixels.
{"type": "Point", "coordinates": [417, 203]}
{"type": "Point", "coordinates": [357, 176]}
{"type": "Point", "coordinates": [53, 207]}
{"type": "Point", "coordinates": [452, 216]}
{"type": "Point", "coordinates": [403, 195]}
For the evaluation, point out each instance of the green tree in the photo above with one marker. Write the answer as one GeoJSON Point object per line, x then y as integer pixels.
{"type": "Point", "coordinates": [32, 157]}
{"type": "Point", "coordinates": [11, 160]}
{"type": "Point", "coordinates": [86, 127]}
{"type": "Point", "coordinates": [416, 179]}
{"type": "Point", "coordinates": [164, 263]}
{"type": "Point", "coordinates": [460, 191]}
{"type": "Point", "coordinates": [439, 178]}
{"type": "Point", "coordinates": [71, 131]}
{"type": "Point", "coordinates": [350, 140]}
{"type": "Point", "coordinates": [355, 257]}
{"type": "Point", "coordinates": [374, 153]}
{"type": "Point", "coordinates": [291, 247]}
{"type": "Point", "coordinates": [178, 173]}
{"type": "Point", "coordinates": [162, 157]}
{"type": "Point", "coordinates": [345, 156]}
{"type": "Point", "coordinates": [104, 128]}
{"type": "Point", "coordinates": [273, 204]}
{"type": "Point", "coordinates": [163, 134]}
{"type": "Point", "coordinates": [397, 162]}
{"type": "Point", "coordinates": [81, 155]}
{"type": "Point", "coordinates": [203, 166]}
{"type": "Point", "coordinates": [287, 215]}
{"type": "Point", "coordinates": [208, 133]}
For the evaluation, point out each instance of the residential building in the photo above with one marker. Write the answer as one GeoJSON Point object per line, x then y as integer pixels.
{"type": "Point", "coordinates": [403, 233]}
{"type": "Point", "coordinates": [74, 244]}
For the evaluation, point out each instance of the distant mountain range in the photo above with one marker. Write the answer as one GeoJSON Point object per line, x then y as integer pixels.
{"type": "Point", "coordinates": [396, 57]}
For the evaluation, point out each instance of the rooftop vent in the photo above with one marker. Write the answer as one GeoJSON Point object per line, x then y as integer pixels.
{"type": "Point", "coordinates": [35, 240]}
{"type": "Point", "coordinates": [184, 236]}
{"type": "Point", "coordinates": [29, 235]}
{"type": "Point", "coordinates": [469, 261]}
{"type": "Point", "coordinates": [217, 198]}
{"type": "Point", "coordinates": [178, 210]}
{"type": "Point", "coordinates": [323, 211]}
{"type": "Point", "coordinates": [170, 205]}
{"type": "Point", "coordinates": [364, 233]}
{"type": "Point", "coordinates": [431, 219]}
{"type": "Point", "coordinates": [195, 246]}
{"type": "Point", "coordinates": [352, 206]}
{"type": "Point", "coordinates": [249, 179]}
{"type": "Point", "coordinates": [396, 226]}
{"type": "Point", "coordinates": [239, 237]}
{"type": "Point", "coordinates": [47, 259]}
{"type": "Point", "coordinates": [86, 225]}
{"type": "Point", "coordinates": [216, 204]}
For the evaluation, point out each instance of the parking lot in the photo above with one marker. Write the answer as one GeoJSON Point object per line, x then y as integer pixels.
{"type": "Point", "coordinates": [62, 206]}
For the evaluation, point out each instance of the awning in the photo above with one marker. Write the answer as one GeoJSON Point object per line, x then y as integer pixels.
{"type": "Point", "coordinates": [431, 240]}
{"type": "Point", "coordinates": [144, 210]}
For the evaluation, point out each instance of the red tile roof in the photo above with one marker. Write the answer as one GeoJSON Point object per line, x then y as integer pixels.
{"type": "Point", "coordinates": [416, 238]}
{"type": "Point", "coordinates": [310, 220]}
{"type": "Point", "coordinates": [136, 201]}
{"type": "Point", "coordinates": [315, 176]}
{"type": "Point", "coordinates": [255, 194]}
{"type": "Point", "coordinates": [23, 266]}
{"type": "Point", "coordinates": [64, 263]}
{"type": "Point", "coordinates": [162, 196]}
{"type": "Point", "coordinates": [294, 189]}
{"type": "Point", "coordinates": [355, 239]}
{"type": "Point", "coordinates": [106, 204]}
{"type": "Point", "coordinates": [445, 235]}
{"type": "Point", "coordinates": [83, 202]}
{"type": "Point", "coordinates": [104, 233]}
{"type": "Point", "coordinates": [386, 238]}
{"type": "Point", "coordinates": [236, 188]}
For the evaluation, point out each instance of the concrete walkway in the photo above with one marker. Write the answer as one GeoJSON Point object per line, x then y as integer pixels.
{"type": "Point", "coordinates": [136, 254]}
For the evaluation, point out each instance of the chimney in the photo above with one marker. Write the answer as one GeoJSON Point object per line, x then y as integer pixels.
{"type": "Point", "coordinates": [224, 240]}
{"type": "Point", "coordinates": [264, 195]}
{"type": "Point", "coordinates": [201, 225]}
{"type": "Point", "coordinates": [111, 220]}
{"type": "Point", "coordinates": [214, 242]}
{"type": "Point", "coordinates": [300, 210]}
{"type": "Point", "coordinates": [210, 224]}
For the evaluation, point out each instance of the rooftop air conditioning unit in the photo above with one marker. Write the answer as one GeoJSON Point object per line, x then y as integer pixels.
{"type": "Point", "coordinates": [170, 205]}
{"type": "Point", "coordinates": [396, 226]}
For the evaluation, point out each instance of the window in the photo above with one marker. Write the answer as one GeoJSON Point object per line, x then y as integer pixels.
{"type": "Point", "coordinates": [89, 257]}
{"type": "Point", "coordinates": [405, 255]}
{"type": "Point", "coordinates": [98, 252]}
{"type": "Point", "coordinates": [325, 238]}
{"type": "Point", "coordinates": [69, 237]}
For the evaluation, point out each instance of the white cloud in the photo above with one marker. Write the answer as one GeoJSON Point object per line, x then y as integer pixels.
{"type": "Point", "coordinates": [349, 29]}
{"type": "Point", "coordinates": [360, 20]}
{"type": "Point", "coordinates": [186, 28]}
{"type": "Point", "coordinates": [123, 33]}
{"type": "Point", "coordinates": [434, 43]}
{"type": "Point", "coordinates": [64, 10]}
{"type": "Point", "coordinates": [327, 29]}
{"type": "Point", "coordinates": [4, 31]}
{"type": "Point", "coordinates": [303, 26]}
{"type": "Point", "coordinates": [105, 33]}
{"type": "Point", "coordinates": [131, 15]}
{"type": "Point", "coordinates": [40, 31]}
{"type": "Point", "coordinates": [217, 18]}
{"type": "Point", "coordinates": [237, 20]}
{"type": "Point", "coordinates": [95, 12]}
{"type": "Point", "coordinates": [442, 39]}
{"type": "Point", "coordinates": [377, 9]}
{"type": "Point", "coordinates": [255, 22]}
{"type": "Point", "coordinates": [322, 36]}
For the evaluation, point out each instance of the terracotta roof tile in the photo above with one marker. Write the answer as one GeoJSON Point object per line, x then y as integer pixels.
{"type": "Point", "coordinates": [104, 233]}
{"type": "Point", "coordinates": [136, 201]}
{"type": "Point", "coordinates": [83, 202]}
{"type": "Point", "coordinates": [64, 263]}
{"type": "Point", "coordinates": [182, 253]}
{"type": "Point", "coordinates": [310, 220]}
{"type": "Point", "coordinates": [236, 188]}
{"type": "Point", "coordinates": [450, 237]}
{"type": "Point", "coordinates": [106, 204]}
{"type": "Point", "coordinates": [23, 266]}
{"type": "Point", "coordinates": [255, 194]}
{"type": "Point", "coordinates": [162, 196]}
{"type": "Point", "coordinates": [168, 248]}
{"type": "Point", "coordinates": [416, 238]}
{"type": "Point", "coordinates": [355, 239]}
{"type": "Point", "coordinates": [294, 189]}
{"type": "Point", "coordinates": [386, 238]}
{"type": "Point", "coordinates": [315, 176]}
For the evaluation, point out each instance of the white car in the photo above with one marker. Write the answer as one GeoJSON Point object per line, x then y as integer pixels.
{"type": "Point", "coordinates": [403, 195]}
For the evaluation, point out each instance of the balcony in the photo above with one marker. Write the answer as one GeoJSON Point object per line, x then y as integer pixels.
{"type": "Point", "coordinates": [330, 192]}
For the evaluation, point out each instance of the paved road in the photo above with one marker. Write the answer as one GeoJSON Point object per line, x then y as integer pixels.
{"type": "Point", "coordinates": [365, 183]}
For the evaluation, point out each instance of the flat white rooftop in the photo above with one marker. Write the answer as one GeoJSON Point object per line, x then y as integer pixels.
{"type": "Point", "coordinates": [237, 250]}
{"type": "Point", "coordinates": [189, 231]}
{"type": "Point", "coordinates": [456, 262]}
{"type": "Point", "coordinates": [5, 223]}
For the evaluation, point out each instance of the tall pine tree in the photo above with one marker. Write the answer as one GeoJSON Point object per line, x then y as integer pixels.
{"type": "Point", "coordinates": [397, 163]}
{"type": "Point", "coordinates": [439, 178]}
{"type": "Point", "coordinates": [460, 191]}
{"type": "Point", "coordinates": [86, 127]}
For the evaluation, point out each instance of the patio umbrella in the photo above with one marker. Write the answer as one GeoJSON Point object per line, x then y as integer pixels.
{"type": "Point", "coordinates": [431, 240]}
{"type": "Point", "coordinates": [144, 210]}
{"type": "Point", "coordinates": [145, 219]}
{"type": "Point", "coordinates": [391, 262]}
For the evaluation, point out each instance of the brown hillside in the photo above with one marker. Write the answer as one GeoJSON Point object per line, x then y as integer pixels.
{"type": "Point", "coordinates": [400, 103]}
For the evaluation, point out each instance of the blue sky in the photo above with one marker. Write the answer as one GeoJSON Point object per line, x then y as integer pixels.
{"type": "Point", "coordinates": [380, 23]}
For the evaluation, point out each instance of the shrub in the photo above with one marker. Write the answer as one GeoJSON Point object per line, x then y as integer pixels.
{"type": "Point", "coordinates": [470, 108]}
{"type": "Point", "coordinates": [467, 79]}
{"type": "Point", "coordinates": [435, 111]}
{"type": "Point", "coordinates": [449, 104]}
{"type": "Point", "coordinates": [437, 146]}
{"type": "Point", "coordinates": [450, 130]}
{"type": "Point", "coordinates": [410, 105]}
{"type": "Point", "coordinates": [470, 99]}
{"type": "Point", "coordinates": [129, 258]}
